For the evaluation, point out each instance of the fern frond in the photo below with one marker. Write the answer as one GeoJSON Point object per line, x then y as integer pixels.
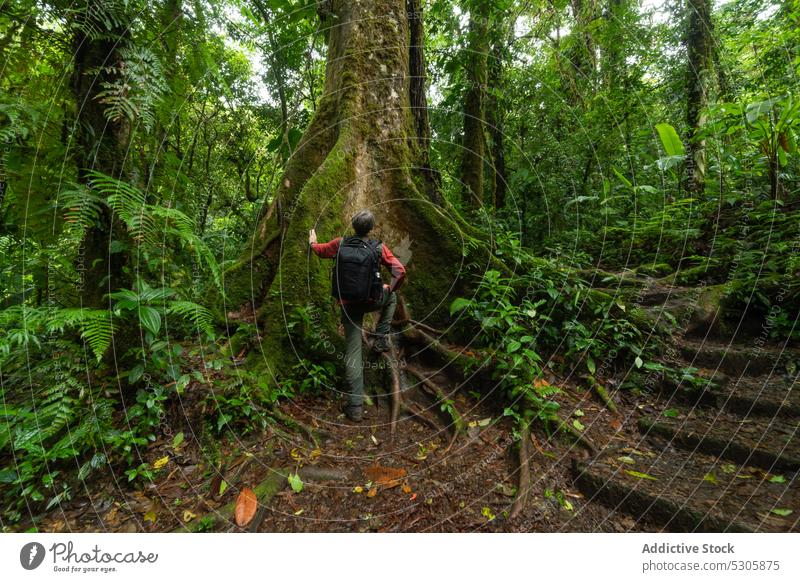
{"type": "Point", "coordinates": [201, 317]}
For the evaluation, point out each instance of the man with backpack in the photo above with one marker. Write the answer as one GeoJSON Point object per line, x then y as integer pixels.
{"type": "Point", "coordinates": [359, 289]}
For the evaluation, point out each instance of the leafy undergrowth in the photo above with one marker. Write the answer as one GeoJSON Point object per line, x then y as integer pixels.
{"type": "Point", "coordinates": [468, 487]}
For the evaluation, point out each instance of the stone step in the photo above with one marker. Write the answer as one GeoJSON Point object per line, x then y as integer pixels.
{"type": "Point", "coordinates": [772, 444]}
{"type": "Point", "coordinates": [680, 491]}
{"type": "Point", "coordinates": [738, 360]}
{"type": "Point", "coordinates": [767, 395]}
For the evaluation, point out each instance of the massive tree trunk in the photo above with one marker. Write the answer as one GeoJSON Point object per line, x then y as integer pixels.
{"type": "Point", "coordinates": [101, 144]}
{"type": "Point", "coordinates": [698, 47]}
{"type": "Point", "coordinates": [476, 68]}
{"type": "Point", "coordinates": [362, 149]}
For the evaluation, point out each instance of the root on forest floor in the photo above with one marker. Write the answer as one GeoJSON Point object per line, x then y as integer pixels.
{"type": "Point", "coordinates": [437, 393]}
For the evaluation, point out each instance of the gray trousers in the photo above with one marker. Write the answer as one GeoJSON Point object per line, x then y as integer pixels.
{"type": "Point", "coordinates": [353, 320]}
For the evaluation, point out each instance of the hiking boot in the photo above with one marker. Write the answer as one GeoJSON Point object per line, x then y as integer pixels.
{"type": "Point", "coordinates": [381, 344]}
{"type": "Point", "coordinates": [353, 412]}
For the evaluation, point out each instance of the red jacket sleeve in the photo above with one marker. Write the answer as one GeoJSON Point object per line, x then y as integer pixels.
{"type": "Point", "coordinates": [397, 268]}
{"type": "Point", "coordinates": [326, 250]}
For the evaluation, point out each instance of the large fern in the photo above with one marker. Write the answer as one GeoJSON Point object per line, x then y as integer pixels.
{"type": "Point", "coordinates": [97, 326]}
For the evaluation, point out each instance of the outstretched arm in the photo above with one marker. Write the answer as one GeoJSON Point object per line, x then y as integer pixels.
{"type": "Point", "coordinates": [398, 270]}
{"type": "Point", "coordinates": [326, 250]}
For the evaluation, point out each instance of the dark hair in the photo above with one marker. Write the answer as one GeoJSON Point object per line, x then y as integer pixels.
{"type": "Point", "coordinates": [363, 222]}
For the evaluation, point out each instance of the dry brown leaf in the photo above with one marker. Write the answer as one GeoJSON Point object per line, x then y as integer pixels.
{"type": "Point", "coordinates": [406, 488]}
{"type": "Point", "coordinates": [372, 492]}
{"type": "Point", "coordinates": [387, 476]}
{"type": "Point", "coordinates": [246, 505]}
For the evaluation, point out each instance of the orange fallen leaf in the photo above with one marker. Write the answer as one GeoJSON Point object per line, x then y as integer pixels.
{"type": "Point", "coordinates": [372, 492]}
{"type": "Point", "coordinates": [246, 505]}
{"type": "Point", "coordinates": [406, 488]}
{"type": "Point", "coordinates": [387, 476]}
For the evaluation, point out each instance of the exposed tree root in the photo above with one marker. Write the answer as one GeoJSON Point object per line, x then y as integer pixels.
{"type": "Point", "coordinates": [292, 423]}
{"type": "Point", "coordinates": [601, 392]}
{"type": "Point", "coordinates": [416, 412]}
{"type": "Point", "coordinates": [457, 420]}
{"type": "Point", "coordinates": [577, 435]}
{"type": "Point", "coordinates": [419, 325]}
{"type": "Point", "coordinates": [265, 491]}
{"type": "Point", "coordinates": [419, 337]}
{"type": "Point", "coordinates": [524, 485]}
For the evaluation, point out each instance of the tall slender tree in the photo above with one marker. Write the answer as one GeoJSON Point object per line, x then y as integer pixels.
{"type": "Point", "coordinates": [699, 58]}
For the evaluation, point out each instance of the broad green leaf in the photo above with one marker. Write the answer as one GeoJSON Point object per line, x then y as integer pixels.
{"type": "Point", "coordinates": [458, 304]}
{"type": "Point", "coordinates": [670, 140]}
{"type": "Point", "coordinates": [590, 364]}
{"type": "Point", "coordinates": [178, 440]}
{"type": "Point", "coordinates": [578, 424]}
{"type": "Point", "coordinates": [670, 413]}
{"type": "Point", "coordinates": [150, 319]}
{"type": "Point", "coordinates": [639, 475]}
{"type": "Point", "coordinates": [777, 479]}
{"type": "Point", "coordinates": [782, 512]}
{"type": "Point", "coordinates": [295, 482]}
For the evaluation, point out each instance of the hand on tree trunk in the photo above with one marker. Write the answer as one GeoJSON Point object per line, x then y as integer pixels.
{"type": "Point", "coordinates": [312, 236]}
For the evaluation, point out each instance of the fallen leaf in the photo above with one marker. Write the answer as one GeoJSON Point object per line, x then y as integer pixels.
{"type": "Point", "coordinates": [487, 513]}
{"type": "Point", "coordinates": [578, 424]}
{"type": "Point", "coordinates": [777, 479]}
{"type": "Point", "coordinates": [296, 455]}
{"type": "Point", "coordinates": [314, 454]}
{"type": "Point", "coordinates": [386, 476]}
{"type": "Point", "coordinates": [151, 516]}
{"type": "Point", "coordinates": [223, 486]}
{"type": "Point", "coordinates": [178, 440]}
{"type": "Point", "coordinates": [374, 440]}
{"type": "Point", "coordinates": [161, 462]}
{"type": "Point", "coordinates": [406, 488]}
{"type": "Point", "coordinates": [626, 459]}
{"type": "Point", "coordinates": [484, 422]}
{"type": "Point", "coordinates": [372, 492]}
{"type": "Point", "coordinates": [578, 412]}
{"type": "Point", "coordinates": [728, 468]}
{"type": "Point", "coordinates": [246, 505]}
{"type": "Point", "coordinates": [358, 489]}
{"type": "Point", "coordinates": [710, 478]}
{"type": "Point", "coordinates": [299, 512]}
{"type": "Point", "coordinates": [188, 516]}
{"type": "Point", "coordinates": [782, 512]}
{"type": "Point", "coordinates": [295, 482]}
{"type": "Point", "coordinates": [639, 475]}
{"type": "Point", "coordinates": [615, 424]}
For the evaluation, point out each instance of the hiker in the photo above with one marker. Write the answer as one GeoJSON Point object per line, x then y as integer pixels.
{"type": "Point", "coordinates": [358, 287]}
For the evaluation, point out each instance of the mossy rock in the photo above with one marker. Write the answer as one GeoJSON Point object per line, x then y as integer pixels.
{"type": "Point", "coordinates": [657, 270]}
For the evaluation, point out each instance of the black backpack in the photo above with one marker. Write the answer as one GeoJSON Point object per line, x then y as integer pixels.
{"type": "Point", "coordinates": [356, 274]}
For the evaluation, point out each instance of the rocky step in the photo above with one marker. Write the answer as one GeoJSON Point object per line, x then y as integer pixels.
{"type": "Point", "coordinates": [769, 443]}
{"type": "Point", "coordinates": [738, 360]}
{"type": "Point", "coordinates": [767, 395]}
{"type": "Point", "coordinates": [681, 491]}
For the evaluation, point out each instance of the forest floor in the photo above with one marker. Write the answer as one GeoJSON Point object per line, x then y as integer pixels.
{"type": "Point", "coordinates": [720, 453]}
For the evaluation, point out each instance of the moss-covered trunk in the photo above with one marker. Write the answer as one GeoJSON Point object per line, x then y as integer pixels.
{"type": "Point", "coordinates": [698, 47]}
{"type": "Point", "coordinates": [361, 150]}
